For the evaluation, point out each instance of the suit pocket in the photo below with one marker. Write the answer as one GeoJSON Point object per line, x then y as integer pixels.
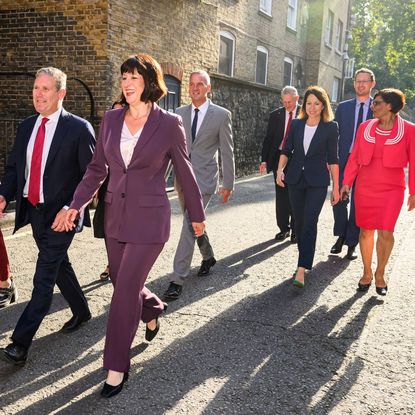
{"type": "Point", "coordinates": [152, 201]}
{"type": "Point", "coordinates": [108, 198]}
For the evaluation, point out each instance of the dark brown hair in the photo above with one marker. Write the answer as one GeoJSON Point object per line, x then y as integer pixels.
{"type": "Point", "coordinates": [392, 96]}
{"type": "Point", "coordinates": [154, 85]}
{"type": "Point", "coordinates": [321, 95]}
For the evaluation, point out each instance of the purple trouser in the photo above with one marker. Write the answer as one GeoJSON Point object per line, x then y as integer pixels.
{"type": "Point", "coordinates": [4, 260]}
{"type": "Point", "coordinates": [131, 302]}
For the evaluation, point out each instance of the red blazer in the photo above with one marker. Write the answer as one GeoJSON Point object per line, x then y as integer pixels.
{"type": "Point", "coordinates": [137, 209]}
{"type": "Point", "coordinates": [399, 150]}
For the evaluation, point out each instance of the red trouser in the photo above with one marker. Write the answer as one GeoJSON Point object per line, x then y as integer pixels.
{"type": "Point", "coordinates": [4, 260]}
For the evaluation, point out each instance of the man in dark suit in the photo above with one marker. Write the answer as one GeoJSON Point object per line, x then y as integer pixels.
{"type": "Point", "coordinates": [349, 115]}
{"type": "Point", "coordinates": [49, 157]}
{"type": "Point", "coordinates": [277, 131]}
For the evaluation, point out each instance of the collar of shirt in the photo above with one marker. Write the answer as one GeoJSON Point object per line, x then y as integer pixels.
{"type": "Point", "coordinates": [53, 118]}
{"type": "Point", "coordinates": [202, 109]}
{"type": "Point", "coordinates": [365, 107]}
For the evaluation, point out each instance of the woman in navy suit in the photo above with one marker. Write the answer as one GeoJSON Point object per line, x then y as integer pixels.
{"type": "Point", "coordinates": [312, 146]}
{"type": "Point", "coordinates": [136, 144]}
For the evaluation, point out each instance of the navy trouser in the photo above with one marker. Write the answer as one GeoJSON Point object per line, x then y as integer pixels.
{"type": "Point", "coordinates": [306, 203]}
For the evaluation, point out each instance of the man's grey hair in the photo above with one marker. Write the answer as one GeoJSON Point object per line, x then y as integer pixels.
{"type": "Point", "coordinates": [204, 74]}
{"type": "Point", "coordinates": [289, 90]}
{"type": "Point", "coordinates": [56, 74]}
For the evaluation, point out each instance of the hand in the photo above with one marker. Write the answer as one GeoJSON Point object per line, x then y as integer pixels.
{"type": "Point", "coordinates": [344, 192]}
{"type": "Point", "coordinates": [225, 194]}
{"type": "Point", "coordinates": [263, 168]}
{"type": "Point", "coordinates": [3, 204]}
{"type": "Point", "coordinates": [411, 202]}
{"type": "Point", "coordinates": [71, 216]}
{"type": "Point", "coordinates": [58, 224]}
{"type": "Point", "coordinates": [198, 228]}
{"type": "Point", "coordinates": [280, 178]}
{"type": "Point", "coordinates": [335, 196]}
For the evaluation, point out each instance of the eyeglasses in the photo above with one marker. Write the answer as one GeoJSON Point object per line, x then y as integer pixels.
{"type": "Point", "coordinates": [375, 102]}
{"type": "Point", "coordinates": [363, 82]}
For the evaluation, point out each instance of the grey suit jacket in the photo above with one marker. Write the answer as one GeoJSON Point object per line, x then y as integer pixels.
{"type": "Point", "coordinates": [214, 135]}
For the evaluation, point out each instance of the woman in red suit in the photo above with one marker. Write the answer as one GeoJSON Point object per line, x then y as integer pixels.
{"type": "Point", "coordinates": [384, 146]}
{"type": "Point", "coordinates": [136, 144]}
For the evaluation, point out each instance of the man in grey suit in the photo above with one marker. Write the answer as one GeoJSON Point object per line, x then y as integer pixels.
{"type": "Point", "coordinates": [208, 130]}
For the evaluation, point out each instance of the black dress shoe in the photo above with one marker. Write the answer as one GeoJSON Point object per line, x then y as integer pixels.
{"type": "Point", "coordinates": [8, 295]}
{"type": "Point", "coordinates": [173, 292]}
{"type": "Point", "coordinates": [351, 253]}
{"type": "Point", "coordinates": [150, 334]}
{"type": "Point", "coordinates": [17, 355]}
{"type": "Point", "coordinates": [282, 235]}
{"type": "Point", "coordinates": [337, 247]}
{"type": "Point", "coordinates": [108, 390]}
{"type": "Point", "coordinates": [74, 323]}
{"type": "Point", "coordinates": [205, 267]}
{"type": "Point", "coordinates": [382, 290]}
{"type": "Point", "coordinates": [293, 238]}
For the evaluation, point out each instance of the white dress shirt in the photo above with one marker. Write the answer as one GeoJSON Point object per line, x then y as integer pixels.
{"type": "Point", "coordinates": [50, 128]}
{"type": "Point", "coordinates": [202, 112]}
{"type": "Point", "coordinates": [287, 116]}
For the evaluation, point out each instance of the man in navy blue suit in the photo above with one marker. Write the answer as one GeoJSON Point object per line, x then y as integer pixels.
{"type": "Point", "coordinates": [49, 157]}
{"type": "Point", "coordinates": [349, 115]}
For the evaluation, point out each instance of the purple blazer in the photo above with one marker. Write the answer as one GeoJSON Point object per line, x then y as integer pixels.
{"type": "Point", "coordinates": [137, 209]}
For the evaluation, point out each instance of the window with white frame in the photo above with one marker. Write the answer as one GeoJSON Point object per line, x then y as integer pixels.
{"type": "Point", "coordinates": [288, 71]}
{"type": "Point", "coordinates": [335, 90]}
{"type": "Point", "coordinates": [226, 53]}
{"type": "Point", "coordinates": [261, 65]}
{"type": "Point", "coordinates": [265, 6]}
{"type": "Point", "coordinates": [328, 38]}
{"type": "Point", "coordinates": [339, 36]}
{"type": "Point", "coordinates": [292, 14]}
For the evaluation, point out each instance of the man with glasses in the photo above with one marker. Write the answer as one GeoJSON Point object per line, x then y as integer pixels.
{"type": "Point", "coordinates": [349, 115]}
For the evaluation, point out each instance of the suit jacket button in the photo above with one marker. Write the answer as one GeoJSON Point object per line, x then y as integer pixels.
{"type": "Point", "coordinates": [123, 195]}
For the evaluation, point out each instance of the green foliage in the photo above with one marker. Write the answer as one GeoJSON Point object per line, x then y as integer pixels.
{"type": "Point", "coordinates": [384, 41]}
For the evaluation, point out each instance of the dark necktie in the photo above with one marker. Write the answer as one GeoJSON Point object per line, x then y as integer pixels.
{"type": "Point", "coordinates": [359, 117]}
{"type": "Point", "coordinates": [290, 118]}
{"type": "Point", "coordinates": [36, 164]}
{"type": "Point", "coordinates": [194, 124]}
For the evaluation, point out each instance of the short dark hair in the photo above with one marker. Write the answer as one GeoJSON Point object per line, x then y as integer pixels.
{"type": "Point", "coordinates": [394, 97]}
{"type": "Point", "coordinates": [321, 94]}
{"type": "Point", "coordinates": [154, 85]}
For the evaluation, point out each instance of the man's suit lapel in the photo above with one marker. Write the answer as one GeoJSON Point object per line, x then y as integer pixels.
{"type": "Point", "coordinates": [26, 134]}
{"type": "Point", "coordinates": [60, 133]}
{"type": "Point", "coordinates": [369, 112]}
{"type": "Point", "coordinates": [206, 120]}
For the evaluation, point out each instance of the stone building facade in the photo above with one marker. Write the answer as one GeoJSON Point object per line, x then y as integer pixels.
{"type": "Point", "coordinates": [251, 48]}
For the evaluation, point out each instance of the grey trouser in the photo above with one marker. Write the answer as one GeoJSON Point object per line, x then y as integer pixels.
{"type": "Point", "coordinates": [184, 252]}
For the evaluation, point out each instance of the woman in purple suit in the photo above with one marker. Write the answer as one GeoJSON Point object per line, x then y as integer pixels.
{"type": "Point", "coordinates": [136, 144]}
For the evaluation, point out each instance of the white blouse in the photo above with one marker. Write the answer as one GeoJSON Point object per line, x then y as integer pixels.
{"type": "Point", "coordinates": [308, 136]}
{"type": "Point", "coordinates": [128, 143]}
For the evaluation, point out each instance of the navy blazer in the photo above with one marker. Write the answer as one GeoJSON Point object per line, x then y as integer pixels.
{"type": "Point", "coordinates": [345, 117]}
{"type": "Point", "coordinates": [70, 152]}
{"type": "Point", "coordinates": [274, 137]}
{"type": "Point", "coordinates": [323, 150]}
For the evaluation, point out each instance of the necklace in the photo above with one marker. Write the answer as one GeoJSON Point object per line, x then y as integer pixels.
{"type": "Point", "coordinates": [139, 116]}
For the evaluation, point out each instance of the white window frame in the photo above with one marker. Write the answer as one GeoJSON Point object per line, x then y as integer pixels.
{"type": "Point", "coordinates": [291, 62]}
{"type": "Point", "coordinates": [335, 89]}
{"type": "Point", "coordinates": [265, 6]}
{"type": "Point", "coordinates": [263, 50]}
{"type": "Point", "coordinates": [339, 36]}
{"type": "Point", "coordinates": [328, 36]}
{"type": "Point", "coordinates": [230, 36]}
{"type": "Point", "coordinates": [292, 14]}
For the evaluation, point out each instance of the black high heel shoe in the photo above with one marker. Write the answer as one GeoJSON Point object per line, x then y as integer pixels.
{"type": "Point", "coordinates": [109, 391]}
{"type": "Point", "coordinates": [150, 334]}
{"type": "Point", "coordinates": [382, 290]}
{"type": "Point", "coordinates": [363, 287]}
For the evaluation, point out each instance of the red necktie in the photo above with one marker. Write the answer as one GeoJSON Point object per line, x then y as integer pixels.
{"type": "Point", "coordinates": [36, 164]}
{"type": "Point", "coordinates": [290, 117]}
